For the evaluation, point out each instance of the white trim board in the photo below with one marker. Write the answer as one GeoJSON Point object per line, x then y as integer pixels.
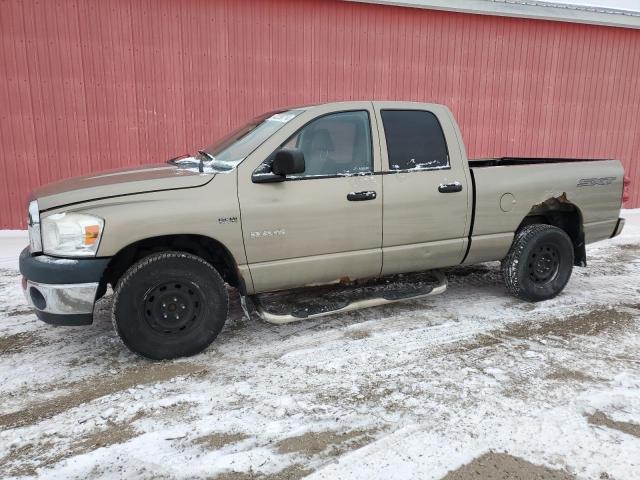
{"type": "Point", "coordinates": [559, 12]}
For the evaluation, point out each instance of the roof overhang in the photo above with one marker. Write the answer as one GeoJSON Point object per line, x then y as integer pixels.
{"type": "Point", "coordinates": [558, 12]}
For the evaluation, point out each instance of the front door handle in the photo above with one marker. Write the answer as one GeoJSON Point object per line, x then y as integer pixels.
{"type": "Point", "coordinates": [361, 196]}
{"type": "Point", "coordinates": [450, 187]}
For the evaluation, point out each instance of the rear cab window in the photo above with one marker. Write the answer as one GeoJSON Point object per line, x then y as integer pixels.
{"type": "Point", "coordinates": [415, 141]}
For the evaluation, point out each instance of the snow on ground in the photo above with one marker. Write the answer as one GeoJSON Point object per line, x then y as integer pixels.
{"type": "Point", "coordinates": [410, 390]}
{"type": "Point", "coordinates": [11, 243]}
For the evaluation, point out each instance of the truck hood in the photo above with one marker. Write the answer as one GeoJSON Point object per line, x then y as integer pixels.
{"type": "Point", "coordinates": [115, 183]}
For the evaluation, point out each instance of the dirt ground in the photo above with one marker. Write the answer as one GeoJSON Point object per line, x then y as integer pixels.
{"type": "Point", "coordinates": [501, 466]}
{"type": "Point", "coordinates": [472, 384]}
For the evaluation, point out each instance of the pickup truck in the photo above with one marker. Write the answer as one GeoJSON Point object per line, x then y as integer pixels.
{"type": "Point", "coordinates": [330, 193]}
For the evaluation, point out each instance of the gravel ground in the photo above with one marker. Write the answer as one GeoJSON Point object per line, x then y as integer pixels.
{"type": "Point", "coordinates": [469, 384]}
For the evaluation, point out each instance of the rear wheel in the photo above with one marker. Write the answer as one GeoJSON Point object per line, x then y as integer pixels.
{"type": "Point", "coordinates": [539, 264]}
{"type": "Point", "coordinates": [169, 305]}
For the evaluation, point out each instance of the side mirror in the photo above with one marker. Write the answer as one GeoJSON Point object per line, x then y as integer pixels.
{"type": "Point", "coordinates": [288, 161]}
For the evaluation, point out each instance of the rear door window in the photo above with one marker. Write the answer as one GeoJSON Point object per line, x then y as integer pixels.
{"type": "Point", "coordinates": [415, 140]}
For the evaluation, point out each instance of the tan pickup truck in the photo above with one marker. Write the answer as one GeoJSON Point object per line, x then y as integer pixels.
{"type": "Point", "coordinates": [338, 192]}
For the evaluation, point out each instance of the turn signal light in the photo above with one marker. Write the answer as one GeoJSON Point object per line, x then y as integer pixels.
{"type": "Point", "coordinates": [91, 234]}
{"type": "Point", "coordinates": [626, 195]}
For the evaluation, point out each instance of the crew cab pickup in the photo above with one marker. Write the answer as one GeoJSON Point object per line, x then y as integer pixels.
{"type": "Point", "coordinates": [337, 192]}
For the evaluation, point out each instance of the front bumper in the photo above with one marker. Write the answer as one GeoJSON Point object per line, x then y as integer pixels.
{"type": "Point", "coordinates": [62, 291]}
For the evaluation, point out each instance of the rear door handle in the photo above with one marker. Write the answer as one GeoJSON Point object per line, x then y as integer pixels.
{"type": "Point", "coordinates": [450, 187]}
{"type": "Point", "coordinates": [361, 196]}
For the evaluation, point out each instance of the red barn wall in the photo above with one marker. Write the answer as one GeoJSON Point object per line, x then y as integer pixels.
{"type": "Point", "coordinates": [92, 85]}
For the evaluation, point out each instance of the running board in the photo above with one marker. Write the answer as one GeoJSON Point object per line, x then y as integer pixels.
{"type": "Point", "coordinates": [344, 306]}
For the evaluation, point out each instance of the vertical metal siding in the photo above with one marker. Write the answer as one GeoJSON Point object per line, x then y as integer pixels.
{"type": "Point", "coordinates": [92, 85]}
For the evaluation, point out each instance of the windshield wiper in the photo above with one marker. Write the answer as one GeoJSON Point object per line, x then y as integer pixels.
{"type": "Point", "coordinates": [203, 155]}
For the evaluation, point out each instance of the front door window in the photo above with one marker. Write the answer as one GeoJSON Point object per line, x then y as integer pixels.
{"type": "Point", "coordinates": [335, 144]}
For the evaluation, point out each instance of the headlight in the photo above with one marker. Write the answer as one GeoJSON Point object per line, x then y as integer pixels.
{"type": "Point", "coordinates": [33, 224]}
{"type": "Point", "coordinates": [71, 234]}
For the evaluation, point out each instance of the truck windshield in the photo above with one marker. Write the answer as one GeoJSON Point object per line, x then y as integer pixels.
{"type": "Point", "coordinates": [226, 153]}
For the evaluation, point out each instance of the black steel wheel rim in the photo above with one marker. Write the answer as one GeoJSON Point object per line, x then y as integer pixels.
{"type": "Point", "coordinates": [172, 307]}
{"type": "Point", "coordinates": [543, 264]}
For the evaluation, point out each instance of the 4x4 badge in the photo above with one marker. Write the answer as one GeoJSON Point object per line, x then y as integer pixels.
{"type": "Point", "coordinates": [594, 182]}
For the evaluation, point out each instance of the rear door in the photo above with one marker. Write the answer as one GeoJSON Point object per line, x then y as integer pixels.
{"type": "Point", "coordinates": [426, 189]}
{"type": "Point", "coordinates": [323, 225]}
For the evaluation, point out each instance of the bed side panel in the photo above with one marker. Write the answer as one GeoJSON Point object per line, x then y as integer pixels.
{"type": "Point", "coordinates": [505, 194]}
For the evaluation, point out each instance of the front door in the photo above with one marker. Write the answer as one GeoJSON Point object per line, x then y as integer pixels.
{"type": "Point", "coordinates": [325, 224]}
{"type": "Point", "coordinates": [426, 191]}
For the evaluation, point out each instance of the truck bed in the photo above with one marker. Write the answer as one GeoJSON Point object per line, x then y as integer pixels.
{"type": "Point", "coordinates": [509, 161]}
{"type": "Point", "coordinates": [503, 197]}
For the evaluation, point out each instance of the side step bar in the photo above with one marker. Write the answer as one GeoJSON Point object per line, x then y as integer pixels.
{"type": "Point", "coordinates": [280, 319]}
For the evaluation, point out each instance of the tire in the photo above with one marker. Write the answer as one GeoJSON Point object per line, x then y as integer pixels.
{"type": "Point", "coordinates": [153, 293]}
{"type": "Point", "coordinates": [539, 264]}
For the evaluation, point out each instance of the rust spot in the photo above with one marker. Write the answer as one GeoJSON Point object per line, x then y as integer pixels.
{"type": "Point", "coordinates": [345, 281]}
{"type": "Point", "coordinates": [550, 202]}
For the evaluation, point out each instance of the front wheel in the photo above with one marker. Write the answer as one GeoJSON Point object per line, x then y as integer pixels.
{"type": "Point", "coordinates": [539, 264]}
{"type": "Point", "coordinates": [168, 305]}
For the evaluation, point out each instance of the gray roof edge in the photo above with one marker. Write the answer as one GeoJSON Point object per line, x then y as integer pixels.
{"type": "Point", "coordinates": [559, 12]}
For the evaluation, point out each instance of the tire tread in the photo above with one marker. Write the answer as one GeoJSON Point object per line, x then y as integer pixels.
{"type": "Point", "coordinates": [509, 264]}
